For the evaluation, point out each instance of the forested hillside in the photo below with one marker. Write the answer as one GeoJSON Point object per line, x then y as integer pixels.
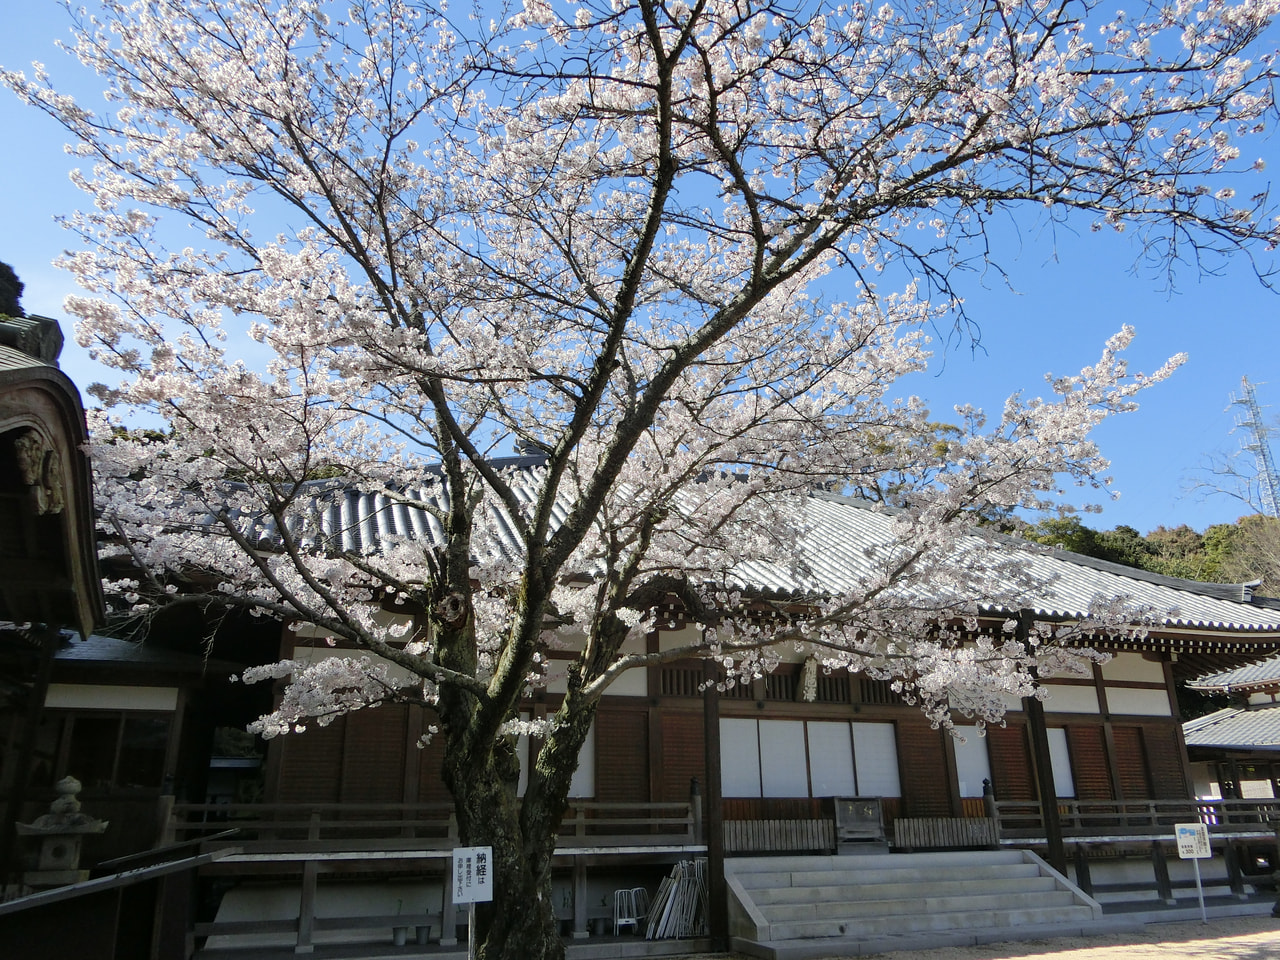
{"type": "Point", "coordinates": [1239, 552]}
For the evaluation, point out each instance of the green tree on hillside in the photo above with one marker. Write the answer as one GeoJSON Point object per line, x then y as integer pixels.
{"type": "Point", "coordinates": [10, 292]}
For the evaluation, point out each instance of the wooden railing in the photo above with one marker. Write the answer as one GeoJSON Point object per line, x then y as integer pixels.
{"type": "Point", "coordinates": [1103, 821]}
{"type": "Point", "coordinates": [331, 826]}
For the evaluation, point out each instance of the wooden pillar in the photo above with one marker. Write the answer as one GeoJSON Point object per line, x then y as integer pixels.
{"type": "Point", "coordinates": [717, 892]}
{"type": "Point", "coordinates": [307, 908]}
{"type": "Point", "coordinates": [955, 802]}
{"type": "Point", "coordinates": [1231, 857]}
{"type": "Point", "coordinates": [175, 899]}
{"type": "Point", "coordinates": [992, 811]}
{"type": "Point", "coordinates": [1048, 794]}
{"type": "Point", "coordinates": [1160, 866]}
{"type": "Point", "coordinates": [414, 727]}
{"type": "Point", "coordinates": [653, 687]}
{"type": "Point", "coordinates": [580, 931]}
{"type": "Point", "coordinates": [449, 909]}
{"type": "Point", "coordinates": [1108, 734]}
{"type": "Point", "coordinates": [1084, 880]}
{"type": "Point", "coordinates": [1171, 686]}
{"type": "Point", "coordinates": [49, 638]}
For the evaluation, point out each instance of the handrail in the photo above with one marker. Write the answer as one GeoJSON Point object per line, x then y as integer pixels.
{"type": "Point", "coordinates": [1084, 819]}
{"type": "Point", "coordinates": [429, 826]}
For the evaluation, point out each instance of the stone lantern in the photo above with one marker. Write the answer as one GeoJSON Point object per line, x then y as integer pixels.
{"type": "Point", "coordinates": [61, 831]}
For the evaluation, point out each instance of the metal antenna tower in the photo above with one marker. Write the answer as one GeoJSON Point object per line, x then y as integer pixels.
{"type": "Point", "coordinates": [1251, 420]}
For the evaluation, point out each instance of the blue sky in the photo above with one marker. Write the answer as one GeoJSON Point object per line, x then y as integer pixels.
{"type": "Point", "coordinates": [1072, 292]}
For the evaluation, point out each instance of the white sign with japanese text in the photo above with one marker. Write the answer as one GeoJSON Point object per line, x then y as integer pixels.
{"type": "Point", "coordinates": [472, 874]}
{"type": "Point", "coordinates": [1193, 841]}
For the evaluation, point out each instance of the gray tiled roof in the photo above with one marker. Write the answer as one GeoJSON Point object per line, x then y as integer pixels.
{"type": "Point", "coordinates": [11, 359]}
{"type": "Point", "coordinates": [846, 542]}
{"type": "Point", "coordinates": [1251, 676]}
{"type": "Point", "coordinates": [1258, 728]}
{"type": "Point", "coordinates": [99, 650]}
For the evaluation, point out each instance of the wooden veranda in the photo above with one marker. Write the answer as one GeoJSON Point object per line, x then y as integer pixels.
{"type": "Point", "coordinates": [303, 844]}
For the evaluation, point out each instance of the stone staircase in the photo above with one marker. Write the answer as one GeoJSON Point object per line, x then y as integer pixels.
{"type": "Point", "coordinates": [795, 907]}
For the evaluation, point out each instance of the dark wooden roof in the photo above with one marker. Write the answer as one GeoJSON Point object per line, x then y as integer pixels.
{"type": "Point", "coordinates": [48, 556]}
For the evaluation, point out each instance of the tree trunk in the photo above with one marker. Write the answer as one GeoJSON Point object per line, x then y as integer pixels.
{"type": "Point", "coordinates": [521, 923]}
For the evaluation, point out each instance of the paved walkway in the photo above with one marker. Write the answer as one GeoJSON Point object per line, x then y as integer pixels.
{"type": "Point", "coordinates": [1237, 938]}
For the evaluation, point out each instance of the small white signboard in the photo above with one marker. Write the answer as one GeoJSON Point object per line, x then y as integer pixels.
{"type": "Point", "coordinates": [472, 874]}
{"type": "Point", "coordinates": [1193, 841]}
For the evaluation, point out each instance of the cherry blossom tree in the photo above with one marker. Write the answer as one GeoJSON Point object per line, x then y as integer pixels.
{"type": "Point", "coordinates": [653, 242]}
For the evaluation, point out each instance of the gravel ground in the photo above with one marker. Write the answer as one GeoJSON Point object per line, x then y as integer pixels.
{"type": "Point", "coordinates": [1237, 938]}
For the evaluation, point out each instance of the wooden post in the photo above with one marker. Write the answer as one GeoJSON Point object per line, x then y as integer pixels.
{"type": "Point", "coordinates": [717, 890]}
{"type": "Point", "coordinates": [1048, 794]}
{"type": "Point", "coordinates": [993, 812]}
{"type": "Point", "coordinates": [449, 909]}
{"type": "Point", "coordinates": [175, 895]}
{"type": "Point", "coordinates": [1083, 878]}
{"type": "Point", "coordinates": [1231, 856]}
{"type": "Point", "coordinates": [580, 917]}
{"type": "Point", "coordinates": [1164, 887]}
{"type": "Point", "coordinates": [167, 824]}
{"type": "Point", "coordinates": [307, 908]}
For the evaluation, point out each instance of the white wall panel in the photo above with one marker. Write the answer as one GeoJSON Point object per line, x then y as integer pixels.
{"type": "Point", "coordinates": [1065, 699]}
{"type": "Point", "coordinates": [1133, 666]}
{"type": "Point", "coordinates": [783, 765]}
{"type": "Point", "coordinates": [831, 759]}
{"type": "Point", "coordinates": [875, 757]}
{"type": "Point", "coordinates": [1138, 702]}
{"type": "Point", "coordinates": [89, 696]}
{"type": "Point", "coordinates": [1064, 784]}
{"type": "Point", "coordinates": [739, 758]}
{"type": "Point", "coordinates": [972, 762]}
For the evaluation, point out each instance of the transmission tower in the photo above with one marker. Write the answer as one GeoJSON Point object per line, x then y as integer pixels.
{"type": "Point", "coordinates": [1251, 419]}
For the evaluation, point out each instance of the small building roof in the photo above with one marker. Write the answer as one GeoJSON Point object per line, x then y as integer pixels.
{"type": "Point", "coordinates": [1249, 678]}
{"type": "Point", "coordinates": [1236, 728]}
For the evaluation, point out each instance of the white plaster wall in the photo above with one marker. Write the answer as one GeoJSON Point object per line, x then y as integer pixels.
{"type": "Point", "coordinates": [633, 683]}
{"type": "Point", "coordinates": [1069, 699]}
{"type": "Point", "coordinates": [316, 654]}
{"type": "Point", "coordinates": [381, 617]}
{"type": "Point", "coordinates": [1137, 702]}
{"type": "Point", "coordinates": [87, 696]}
{"type": "Point", "coordinates": [1204, 782]}
{"type": "Point", "coordinates": [1011, 703]}
{"type": "Point", "coordinates": [683, 636]}
{"type": "Point", "coordinates": [1132, 666]}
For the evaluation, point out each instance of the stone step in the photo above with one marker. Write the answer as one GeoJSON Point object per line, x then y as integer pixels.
{"type": "Point", "coordinates": [885, 874]}
{"type": "Point", "coordinates": [907, 906]}
{"type": "Point", "coordinates": [788, 864]}
{"type": "Point", "coordinates": [894, 891]}
{"type": "Point", "coordinates": [927, 922]}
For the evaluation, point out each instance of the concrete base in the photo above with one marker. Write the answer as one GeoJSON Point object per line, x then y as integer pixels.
{"type": "Point", "coordinates": [599, 948]}
{"type": "Point", "coordinates": [43, 879]}
{"type": "Point", "coordinates": [1118, 922]}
